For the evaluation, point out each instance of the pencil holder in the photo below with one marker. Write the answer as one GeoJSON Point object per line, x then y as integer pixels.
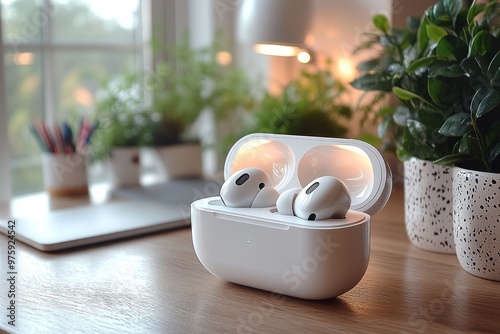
{"type": "Point", "coordinates": [65, 174]}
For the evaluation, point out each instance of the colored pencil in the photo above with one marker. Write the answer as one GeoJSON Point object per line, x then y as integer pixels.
{"type": "Point", "coordinates": [60, 139]}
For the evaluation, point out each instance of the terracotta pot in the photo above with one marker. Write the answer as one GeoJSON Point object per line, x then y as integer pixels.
{"type": "Point", "coordinates": [476, 222]}
{"type": "Point", "coordinates": [428, 206]}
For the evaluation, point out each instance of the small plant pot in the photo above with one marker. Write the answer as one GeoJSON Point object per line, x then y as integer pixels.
{"type": "Point", "coordinates": [476, 222]}
{"type": "Point", "coordinates": [180, 161]}
{"type": "Point", "coordinates": [65, 174]}
{"type": "Point", "coordinates": [124, 167]}
{"type": "Point", "coordinates": [428, 206]}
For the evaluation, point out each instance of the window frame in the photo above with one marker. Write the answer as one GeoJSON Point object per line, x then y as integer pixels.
{"type": "Point", "coordinates": [4, 140]}
{"type": "Point", "coordinates": [165, 20]}
{"type": "Point", "coordinates": [50, 48]}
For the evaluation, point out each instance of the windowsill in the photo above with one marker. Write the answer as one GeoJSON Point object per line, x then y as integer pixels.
{"type": "Point", "coordinates": [38, 203]}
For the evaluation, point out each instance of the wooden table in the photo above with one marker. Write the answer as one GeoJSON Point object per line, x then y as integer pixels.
{"type": "Point", "coordinates": [155, 284]}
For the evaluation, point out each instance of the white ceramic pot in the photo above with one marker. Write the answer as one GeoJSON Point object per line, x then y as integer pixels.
{"type": "Point", "coordinates": [476, 222]}
{"type": "Point", "coordinates": [65, 174]}
{"type": "Point", "coordinates": [124, 167]}
{"type": "Point", "coordinates": [428, 206]}
{"type": "Point", "coordinates": [180, 161]}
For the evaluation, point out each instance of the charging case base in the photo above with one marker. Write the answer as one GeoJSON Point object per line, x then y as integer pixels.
{"type": "Point", "coordinates": [305, 262]}
{"type": "Point", "coordinates": [261, 248]}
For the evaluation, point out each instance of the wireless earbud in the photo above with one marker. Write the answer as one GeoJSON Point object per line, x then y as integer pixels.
{"type": "Point", "coordinates": [285, 202]}
{"type": "Point", "coordinates": [323, 198]}
{"type": "Point", "coordinates": [248, 188]}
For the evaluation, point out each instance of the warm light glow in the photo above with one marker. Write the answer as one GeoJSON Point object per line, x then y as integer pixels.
{"type": "Point", "coordinates": [304, 57]}
{"type": "Point", "coordinates": [276, 50]}
{"type": "Point", "coordinates": [83, 96]}
{"type": "Point", "coordinates": [359, 151]}
{"type": "Point", "coordinates": [24, 58]}
{"type": "Point", "coordinates": [224, 58]}
{"type": "Point", "coordinates": [273, 157]}
{"type": "Point", "coordinates": [346, 69]}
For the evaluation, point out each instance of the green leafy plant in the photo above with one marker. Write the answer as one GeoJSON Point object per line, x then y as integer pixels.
{"type": "Point", "coordinates": [195, 82]}
{"type": "Point", "coordinates": [309, 105]}
{"type": "Point", "coordinates": [159, 107]}
{"type": "Point", "coordinates": [123, 117]}
{"type": "Point", "coordinates": [443, 69]}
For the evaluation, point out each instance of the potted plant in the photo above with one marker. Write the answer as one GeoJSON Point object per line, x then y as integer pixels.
{"type": "Point", "coordinates": [476, 156]}
{"type": "Point", "coordinates": [421, 65]}
{"type": "Point", "coordinates": [308, 105]}
{"type": "Point", "coordinates": [196, 83]}
{"type": "Point", "coordinates": [124, 126]}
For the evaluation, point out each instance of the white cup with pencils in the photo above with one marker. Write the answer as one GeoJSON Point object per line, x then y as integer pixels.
{"type": "Point", "coordinates": [65, 174]}
{"type": "Point", "coordinates": [64, 159]}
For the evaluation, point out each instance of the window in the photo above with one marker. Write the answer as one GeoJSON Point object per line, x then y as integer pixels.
{"type": "Point", "coordinates": [56, 54]}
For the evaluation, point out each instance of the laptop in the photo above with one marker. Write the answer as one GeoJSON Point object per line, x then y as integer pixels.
{"type": "Point", "coordinates": [132, 212]}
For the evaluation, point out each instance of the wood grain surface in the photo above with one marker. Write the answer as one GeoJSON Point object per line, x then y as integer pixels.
{"type": "Point", "coordinates": [155, 284]}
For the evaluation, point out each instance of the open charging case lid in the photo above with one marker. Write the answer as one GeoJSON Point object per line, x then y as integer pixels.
{"type": "Point", "coordinates": [261, 248]}
{"type": "Point", "coordinates": [294, 161]}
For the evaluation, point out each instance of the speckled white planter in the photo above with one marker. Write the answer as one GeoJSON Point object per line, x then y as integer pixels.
{"type": "Point", "coordinates": [476, 222]}
{"type": "Point", "coordinates": [428, 206]}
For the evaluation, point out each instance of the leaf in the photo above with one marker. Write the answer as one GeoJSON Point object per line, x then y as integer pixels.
{"type": "Point", "coordinates": [438, 90]}
{"type": "Point", "coordinates": [435, 33]}
{"type": "Point", "coordinates": [470, 145]}
{"type": "Point", "coordinates": [445, 12]}
{"type": "Point", "coordinates": [495, 152]}
{"type": "Point", "coordinates": [422, 37]}
{"type": "Point", "coordinates": [452, 48]}
{"type": "Point", "coordinates": [421, 62]}
{"type": "Point", "coordinates": [401, 115]}
{"type": "Point", "coordinates": [474, 10]}
{"type": "Point", "coordinates": [414, 145]}
{"type": "Point", "coordinates": [368, 65]}
{"type": "Point", "coordinates": [383, 126]}
{"type": "Point", "coordinates": [417, 129]}
{"type": "Point", "coordinates": [483, 64]}
{"type": "Point", "coordinates": [485, 100]}
{"type": "Point", "coordinates": [452, 159]}
{"type": "Point", "coordinates": [371, 82]}
{"type": "Point", "coordinates": [481, 44]}
{"type": "Point", "coordinates": [381, 22]}
{"type": "Point", "coordinates": [471, 67]}
{"type": "Point", "coordinates": [493, 71]}
{"type": "Point", "coordinates": [452, 71]}
{"type": "Point", "coordinates": [456, 125]}
{"type": "Point", "coordinates": [445, 49]}
{"type": "Point", "coordinates": [431, 117]}
{"type": "Point", "coordinates": [404, 94]}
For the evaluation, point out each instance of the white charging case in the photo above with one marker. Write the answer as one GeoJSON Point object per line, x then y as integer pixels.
{"type": "Point", "coordinates": [261, 248]}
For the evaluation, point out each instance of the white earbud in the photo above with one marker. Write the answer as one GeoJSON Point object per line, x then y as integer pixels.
{"type": "Point", "coordinates": [323, 198]}
{"type": "Point", "coordinates": [265, 198]}
{"type": "Point", "coordinates": [285, 201]}
{"type": "Point", "coordinates": [248, 188]}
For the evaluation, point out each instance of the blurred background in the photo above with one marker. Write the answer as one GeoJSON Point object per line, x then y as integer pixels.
{"type": "Point", "coordinates": [59, 55]}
